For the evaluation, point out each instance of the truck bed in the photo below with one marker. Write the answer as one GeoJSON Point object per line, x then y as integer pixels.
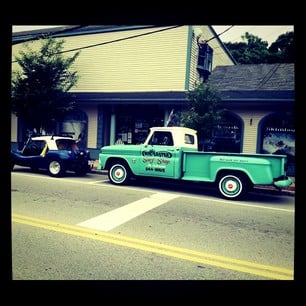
{"type": "Point", "coordinates": [204, 166]}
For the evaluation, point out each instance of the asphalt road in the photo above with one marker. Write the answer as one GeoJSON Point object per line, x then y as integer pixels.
{"type": "Point", "coordinates": [84, 228]}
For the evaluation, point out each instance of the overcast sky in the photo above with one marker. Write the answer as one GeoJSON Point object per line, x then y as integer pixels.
{"type": "Point", "coordinates": [267, 33]}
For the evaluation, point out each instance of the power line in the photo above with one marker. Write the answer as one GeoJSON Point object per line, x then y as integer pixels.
{"type": "Point", "coordinates": [214, 37]}
{"type": "Point", "coordinates": [120, 39]}
{"type": "Point", "coordinates": [116, 40]}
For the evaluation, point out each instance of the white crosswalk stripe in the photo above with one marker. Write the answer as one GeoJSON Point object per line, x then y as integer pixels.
{"type": "Point", "coordinates": [116, 217]}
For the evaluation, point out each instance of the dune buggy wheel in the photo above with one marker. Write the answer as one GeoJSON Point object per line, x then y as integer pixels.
{"type": "Point", "coordinates": [119, 174]}
{"type": "Point", "coordinates": [56, 168]}
{"type": "Point", "coordinates": [232, 186]}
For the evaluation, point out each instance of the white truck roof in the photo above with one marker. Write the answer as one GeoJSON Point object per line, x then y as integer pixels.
{"type": "Point", "coordinates": [182, 136]}
{"type": "Point", "coordinates": [174, 129]}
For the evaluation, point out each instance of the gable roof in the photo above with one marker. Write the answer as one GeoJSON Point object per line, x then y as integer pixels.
{"type": "Point", "coordinates": [64, 31]}
{"type": "Point", "coordinates": [255, 81]}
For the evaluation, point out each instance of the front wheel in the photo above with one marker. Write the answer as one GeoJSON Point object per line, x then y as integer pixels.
{"type": "Point", "coordinates": [232, 186]}
{"type": "Point", "coordinates": [119, 174]}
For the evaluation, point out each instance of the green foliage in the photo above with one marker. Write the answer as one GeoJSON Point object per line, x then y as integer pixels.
{"type": "Point", "coordinates": [282, 50]}
{"type": "Point", "coordinates": [40, 88]}
{"type": "Point", "coordinates": [203, 112]}
{"type": "Point", "coordinates": [253, 50]}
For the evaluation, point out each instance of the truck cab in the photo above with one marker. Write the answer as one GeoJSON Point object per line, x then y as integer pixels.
{"type": "Point", "coordinates": [159, 156]}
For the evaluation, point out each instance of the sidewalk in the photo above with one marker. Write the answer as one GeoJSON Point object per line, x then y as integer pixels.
{"type": "Point", "coordinates": [264, 188]}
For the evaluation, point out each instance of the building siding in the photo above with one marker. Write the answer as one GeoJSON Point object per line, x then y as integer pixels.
{"type": "Point", "coordinates": [219, 56]}
{"type": "Point", "coordinates": [120, 62]}
{"type": "Point", "coordinates": [154, 62]}
{"type": "Point", "coordinates": [251, 123]}
{"type": "Point", "coordinates": [92, 113]}
{"type": "Point", "coordinates": [194, 76]}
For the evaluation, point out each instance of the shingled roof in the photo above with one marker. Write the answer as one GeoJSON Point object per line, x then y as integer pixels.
{"type": "Point", "coordinates": [251, 81]}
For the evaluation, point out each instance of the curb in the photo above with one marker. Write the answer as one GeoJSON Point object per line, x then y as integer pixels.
{"type": "Point", "coordinates": [290, 191]}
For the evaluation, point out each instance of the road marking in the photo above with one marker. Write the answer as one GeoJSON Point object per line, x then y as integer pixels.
{"type": "Point", "coordinates": [159, 248]}
{"type": "Point", "coordinates": [118, 216]}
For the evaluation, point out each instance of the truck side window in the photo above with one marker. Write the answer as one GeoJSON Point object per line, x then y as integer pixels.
{"type": "Point", "coordinates": [153, 140]}
{"type": "Point", "coordinates": [189, 139]}
{"type": "Point", "coordinates": [167, 139]}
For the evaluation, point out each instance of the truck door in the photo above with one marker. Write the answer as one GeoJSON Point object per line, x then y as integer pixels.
{"type": "Point", "coordinates": [159, 157]}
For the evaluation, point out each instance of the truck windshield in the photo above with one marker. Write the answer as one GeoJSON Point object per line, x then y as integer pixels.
{"type": "Point", "coordinates": [161, 138]}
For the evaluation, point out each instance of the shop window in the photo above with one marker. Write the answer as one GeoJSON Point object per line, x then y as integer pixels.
{"type": "Point", "coordinates": [278, 137]}
{"type": "Point", "coordinates": [226, 136]}
{"type": "Point", "coordinates": [133, 123]}
{"type": "Point", "coordinates": [75, 125]}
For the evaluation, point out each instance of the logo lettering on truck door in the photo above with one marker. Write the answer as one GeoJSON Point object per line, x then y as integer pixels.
{"type": "Point", "coordinates": [158, 159]}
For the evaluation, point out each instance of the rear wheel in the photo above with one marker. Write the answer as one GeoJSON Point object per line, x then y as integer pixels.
{"type": "Point", "coordinates": [232, 186]}
{"type": "Point", "coordinates": [56, 168]}
{"type": "Point", "coordinates": [119, 173]}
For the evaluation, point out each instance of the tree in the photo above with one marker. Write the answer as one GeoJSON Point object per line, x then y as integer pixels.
{"type": "Point", "coordinates": [40, 86]}
{"type": "Point", "coordinates": [203, 112]}
{"type": "Point", "coordinates": [253, 50]}
{"type": "Point", "coordinates": [282, 50]}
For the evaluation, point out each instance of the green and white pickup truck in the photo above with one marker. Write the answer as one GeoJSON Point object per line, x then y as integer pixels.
{"type": "Point", "coordinates": [172, 153]}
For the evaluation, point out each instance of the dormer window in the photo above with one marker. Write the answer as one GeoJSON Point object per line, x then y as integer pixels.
{"type": "Point", "coordinates": [204, 60]}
